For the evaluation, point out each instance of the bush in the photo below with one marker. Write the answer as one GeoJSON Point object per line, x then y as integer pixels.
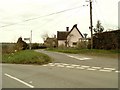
{"type": "Point", "coordinates": [35, 46]}
{"type": "Point", "coordinates": [21, 45]}
{"type": "Point", "coordinates": [26, 57]}
{"type": "Point", "coordinates": [107, 40]}
{"type": "Point", "coordinates": [82, 45]}
{"type": "Point", "coordinates": [8, 48]}
{"type": "Point", "coordinates": [62, 46]}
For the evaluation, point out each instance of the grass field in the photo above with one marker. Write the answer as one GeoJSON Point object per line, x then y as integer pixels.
{"type": "Point", "coordinates": [95, 52]}
{"type": "Point", "coordinates": [26, 57]}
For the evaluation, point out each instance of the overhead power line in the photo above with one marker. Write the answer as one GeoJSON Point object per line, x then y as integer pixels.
{"type": "Point", "coordinates": [43, 16]}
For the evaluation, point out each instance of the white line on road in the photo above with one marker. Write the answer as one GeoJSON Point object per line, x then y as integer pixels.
{"type": "Point", "coordinates": [19, 80]}
{"type": "Point", "coordinates": [105, 70]}
{"type": "Point", "coordinates": [44, 65]}
{"type": "Point", "coordinates": [96, 67]}
{"type": "Point", "coordinates": [117, 71]}
{"type": "Point", "coordinates": [92, 69]}
{"type": "Point", "coordinates": [76, 66]}
{"type": "Point", "coordinates": [69, 67]}
{"type": "Point", "coordinates": [65, 64]}
{"type": "Point", "coordinates": [84, 58]}
{"type": "Point", "coordinates": [85, 66]}
{"type": "Point", "coordinates": [110, 68]}
{"type": "Point", "coordinates": [80, 68]}
{"type": "Point", "coordinates": [52, 65]}
{"type": "Point", "coordinates": [60, 66]}
{"type": "Point", "coordinates": [57, 63]}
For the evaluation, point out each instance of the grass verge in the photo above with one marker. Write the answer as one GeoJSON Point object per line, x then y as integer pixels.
{"type": "Point", "coordinates": [26, 57]}
{"type": "Point", "coordinates": [93, 52]}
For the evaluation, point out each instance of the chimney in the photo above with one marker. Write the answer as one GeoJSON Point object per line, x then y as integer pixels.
{"type": "Point", "coordinates": [67, 29]}
{"type": "Point", "coordinates": [54, 36]}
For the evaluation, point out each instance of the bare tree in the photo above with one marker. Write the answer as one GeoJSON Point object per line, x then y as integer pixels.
{"type": "Point", "coordinates": [45, 36]}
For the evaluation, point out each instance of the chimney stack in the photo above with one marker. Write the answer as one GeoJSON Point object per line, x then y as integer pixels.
{"type": "Point", "coordinates": [67, 29]}
{"type": "Point", "coordinates": [54, 36]}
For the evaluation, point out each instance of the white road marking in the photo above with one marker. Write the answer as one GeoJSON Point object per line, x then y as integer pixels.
{"type": "Point", "coordinates": [19, 80]}
{"type": "Point", "coordinates": [85, 66]}
{"type": "Point", "coordinates": [69, 66]}
{"type": "Point", "coordinates": [44, 65]}
{"type": "Point", "coordinates": [110, 68]}
{"type": "Point", "coordinates": [91, 69]}
{"type": "Point", "coordinates": [52, 65]}
{"type": "Point", "coordinates": [84, 58]}
{"type": "Point", "coordinates": [60, 66]}
{"type": "Point", "coordinates": [66, 64]}
{"type": "Point", "coordinates": [79, 58]}
{"type": "Point", "coordinates": [87, 58]}
{"type": "Point", "coordinates": [76, 66]}
{"type": "Point", "coordinates": [80, 68]}
{"type": "Point", "coordinates": [70, 56]}
{"type": "Point", "coordinates": [57, 63]}
{"type": "Point", "coordinates": [96, 67]}
{"type": "Point", "coordinates": [105, 70]}
{"type": "Point", "coordinates": [117, 71]}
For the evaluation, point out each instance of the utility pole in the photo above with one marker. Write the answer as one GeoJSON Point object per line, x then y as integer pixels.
{"type": "Point", "coordinates": [31, 40]}
{"type": "Point", "coordinates": [91, 24]}
{"type": "Point", "coordinates": [85, 34]}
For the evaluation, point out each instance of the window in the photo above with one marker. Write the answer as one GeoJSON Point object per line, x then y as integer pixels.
{"type": "Point", "coordinates": [74, 43]}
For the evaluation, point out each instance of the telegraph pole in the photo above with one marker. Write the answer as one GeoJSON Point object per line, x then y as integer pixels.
{"type": "Point", "coordinates": [91, 24]}
{"type": "Point", "coordinates": [31, 40]}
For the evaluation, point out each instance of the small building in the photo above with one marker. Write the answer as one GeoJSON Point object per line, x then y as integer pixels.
{"type": "Point", "coordinates": [69, 38]}
{"type": "Point", "coordinates": [51, 42]}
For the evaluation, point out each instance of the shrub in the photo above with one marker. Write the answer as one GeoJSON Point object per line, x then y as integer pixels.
{"type": "Point", "coordinates": [26, 57]}
{"type": "Point", "coordinates": [35, 46]}
{"type": "Point", "coordinates": [21, 45]}
{"type": "Point", "coordinates": [8, 48]}
{"type": "Point", "coordinates": [81, 45]}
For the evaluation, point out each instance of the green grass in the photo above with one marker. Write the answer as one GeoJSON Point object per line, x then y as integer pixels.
{"type": "Point", "coordinates": [95, 52]}
{"type": "Point", "coordinates": [26, 57]}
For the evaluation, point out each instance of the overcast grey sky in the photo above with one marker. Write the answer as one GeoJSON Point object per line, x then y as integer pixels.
{"type": "Point", "coordinates": [17, 11]}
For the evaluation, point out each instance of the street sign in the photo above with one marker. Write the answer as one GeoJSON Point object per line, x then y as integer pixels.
{"type": "Point", "coordinates": [26, 38]}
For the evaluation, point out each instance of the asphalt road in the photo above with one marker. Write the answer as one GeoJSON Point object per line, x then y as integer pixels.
{"type": "Point", "coordinates": [67, 71]}
{"type": "Point", "coordinates": [82, 59]}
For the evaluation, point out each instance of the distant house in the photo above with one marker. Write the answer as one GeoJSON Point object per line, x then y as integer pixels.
{"type": "Point", "coordinates": [69, 38]}
{"type": "Point", "coordinates": [51, 42]}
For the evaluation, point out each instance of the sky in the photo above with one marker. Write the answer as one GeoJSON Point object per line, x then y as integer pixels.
{"type": "Point", "coordinates": [19, 17]}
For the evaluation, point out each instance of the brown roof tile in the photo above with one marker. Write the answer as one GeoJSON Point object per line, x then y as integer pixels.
{"type": "Point", "coordinates": [62, 35]}
{"type": "Point", "coordinates": [75, 26]}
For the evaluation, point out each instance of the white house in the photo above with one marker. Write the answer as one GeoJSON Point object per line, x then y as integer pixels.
{"type": "Point", "coordinates": [69, 38]}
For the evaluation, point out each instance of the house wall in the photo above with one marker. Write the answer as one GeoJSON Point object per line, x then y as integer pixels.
{"type": "Point", "coordinates": [73, 37]}
{"type": "Point", "coordinates": [61, 42]}
{"type": "Point", "coordinates": [51, 42]}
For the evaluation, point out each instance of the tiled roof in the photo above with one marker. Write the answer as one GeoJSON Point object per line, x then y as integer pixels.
{"type": "Point", "coordinates": [50, 39]}
{"type": "Point", "coordinates": [62, 35]}
{"type": "Point", "coordinates": [75, 26]}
